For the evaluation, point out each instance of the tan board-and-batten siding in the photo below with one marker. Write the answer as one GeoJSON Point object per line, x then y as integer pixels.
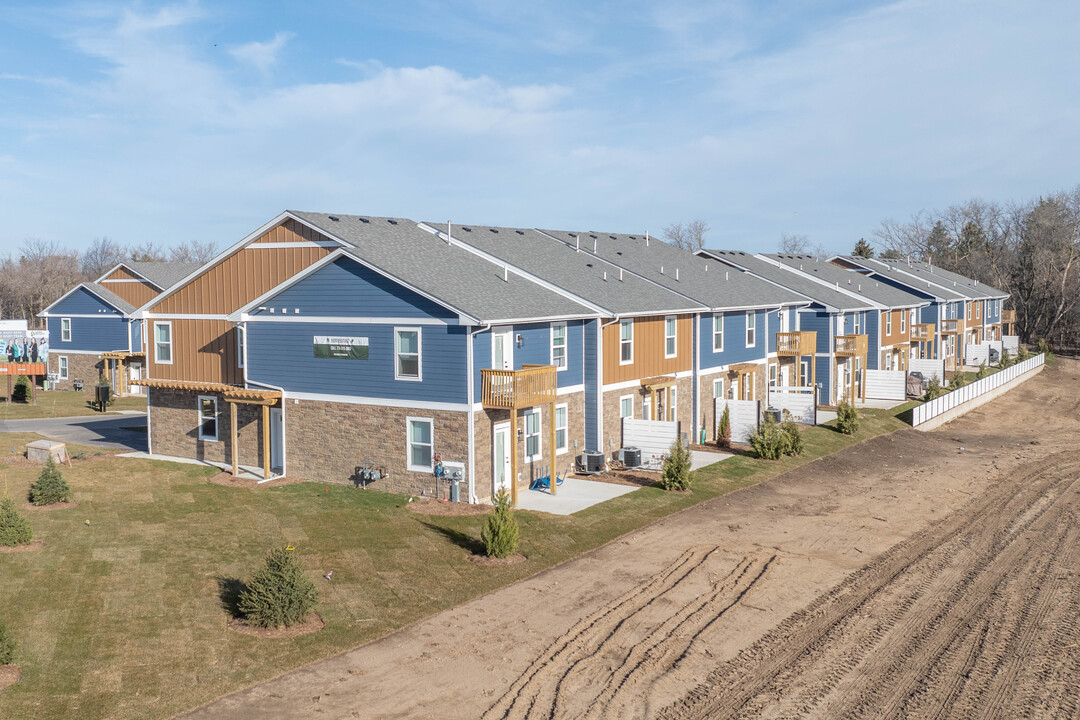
{"type": "Point", "coordinates": [138, 293]}
{"type": "Point", "coordinates": [649, 341]}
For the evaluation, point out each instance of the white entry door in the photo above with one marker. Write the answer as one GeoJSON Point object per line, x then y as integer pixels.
{"type": "Point", "coordinates": [502, 350]}
{"type": "Point", "coordinates": [135, 372]}
{"type": "Point", "coordinates": [277, 441]}
{"type": "Point", "coordinates": [501, 457]}
{"type": "Point", "coordinates": [843, 380]}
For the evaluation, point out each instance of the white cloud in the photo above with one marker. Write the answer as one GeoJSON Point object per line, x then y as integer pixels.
{"type": "Point", "coordinates": [262, 55]}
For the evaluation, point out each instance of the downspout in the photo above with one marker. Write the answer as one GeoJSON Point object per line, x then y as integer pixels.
{"type": "Point", "coordinates": [600, 384]}
{"type": "Point", "coordinates": [695, 367]}
{"type": "Point", "coordinates": [242, 329]}
{"type": "Point", "coordinates": [470, 384]}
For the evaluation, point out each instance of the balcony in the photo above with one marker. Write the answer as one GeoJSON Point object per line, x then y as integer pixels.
{"type": "Point", "coordinates": [851, 345]}
{"type": "Point", "coordinates": [922, 332]}
{"type": "Point", "coordinates": [950, 327]}
{"type": "Point", "coordinates": [514, 389]}
{"type": "Point", "coordinates": [1008, 316]}
{"type": "Point", "coordinates": [796, 344]}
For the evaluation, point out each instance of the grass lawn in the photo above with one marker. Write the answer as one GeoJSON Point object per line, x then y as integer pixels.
{"type": "Point", "coordinates": [125, 618]}
{"type": "Point", "coordinates": [63, 403]}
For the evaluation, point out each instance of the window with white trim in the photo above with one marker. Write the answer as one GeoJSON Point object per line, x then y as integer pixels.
{"type": "Point", "coordinates": [65, 329]}
{"type": "Point", "coordinates": [163, 343]}
{"type": "Point", "coordinates": [239, 348]}
{"type": "Point", "coordinates": [840, 324]}
{"type": "Point", "coordinates": [421, 444]}
{"type": "Point", "coordinates": [626, 342]}
{"type": "Point", "coordinates": [977, 306]}
{"type": "Point", "coordinates": [561, 428]}
{"type": "Point", "coordinates": [670, 344]}
{"type": "Point", "coordinates": [407, 354]}
{"type": "Point", "coordinates": [533, 445]}
{"type": "Point", "coordinates": [672, 405]}
{"type": "Point", "coordinates": [751, 328]}
{"type": "Point", "coordinates": [857, 322]}
{"type": "Point", "coordinates": [806, 372]}
{"type": "Point", "coordinates": [626, 406]}
{"type": "Point", "coordinates": [718, 332]}
{"type": "Point", "coordinates": [968, 310]}
{"type": "Point", "coordinates": [903, 322]}
{"type": "Point", "coordinates": [914, 317]}
{"type": "Point", "coordinates": [717, 389]}
{"type": "Point", "coordinates": [62, 366]}
{"type": "Point", "coordinates": [558, 345]}
{"type": "Point", "coordinates": [208, 418]}
{"type": "Point", "coordinates": [646, 408]}
{"type": "Point", "coordinates": [888, 322]}
{"type": "Point", "coordinates": [772, 375]}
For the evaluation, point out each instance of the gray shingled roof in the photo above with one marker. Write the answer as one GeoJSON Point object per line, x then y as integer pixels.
{"type": "Point", "coordinates": [448, 273]}
{"type": "Point", "coordinates": [582, 274]}
{"type": "Point", "coordinates": [163, 274]}
{"type": "Point", "coordinates": [974, 290]}
{"type": "Point", "coordinates": [110, 297]}
{"type": "Point", "coordinates": [912, 279]}
{"type": "Point", "coordinates": [681, 271]}
{"type": "Point", "coordinates": [793, 280]}
{"type": "Point", "coordinates": [850, 280]}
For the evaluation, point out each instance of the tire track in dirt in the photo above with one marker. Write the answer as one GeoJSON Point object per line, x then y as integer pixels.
{"type": "Point", "coordinates": [888, 637]}
{"type": "Point", "coordinates": [621, 648]}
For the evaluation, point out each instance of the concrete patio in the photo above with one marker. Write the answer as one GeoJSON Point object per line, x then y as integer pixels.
{"type": "Point", "coordinates": [573, 495]}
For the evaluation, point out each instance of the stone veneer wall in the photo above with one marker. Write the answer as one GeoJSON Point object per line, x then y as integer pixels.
{"type": "Point", "coordinates": [326, 441]}
{"type": "Point", "coordinates": [174, 428]}
{"type": "Point", "coordinates": [613, 425]}
{"type": "Point", "coordinates": [84, 367]}
{"type": "Point", "coordinates": [708, 406]}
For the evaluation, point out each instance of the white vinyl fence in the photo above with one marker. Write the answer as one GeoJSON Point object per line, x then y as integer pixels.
{"type": "Point", "coordinates": [745, 416]}
{"type": "Point", "coordinates": [928, 368]}
{"type": "Point", "coordinates": [652, 437]}
{"type": "Point", "coordinates": [886, 384]}
{"type": "Point", "coordinates": [943, 404]}
{"type": "Point", "coordinates": [800, 402]}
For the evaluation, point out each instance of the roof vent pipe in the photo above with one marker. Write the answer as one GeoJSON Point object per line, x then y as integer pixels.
{"type": "Point", "coordinates": [646, 238]}
{"type": "Point", "coordinates": [620, 274]}
{"type": "Point", "coordinates": [676, 274]}
{"type": "Point", "coordinates": [448, 228]}
{"type": "Point", "coordinates": [594, 241]}
{"type": "Point", "coordinates": [661, 269]}
{"type": "Point", "coordinates": [506, 273]}
{"type": "Point", "coordinates": [706, 267]}
{"type": "Point", "coordinates": [577, 243]}
{"type": "Point", "coordinates": [725, 274]}
{"type": "Point", "coordinates": [605, 276]}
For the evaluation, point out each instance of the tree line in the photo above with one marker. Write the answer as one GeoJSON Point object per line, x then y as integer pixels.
{"type": "Point", "coordinates": [42, 270]}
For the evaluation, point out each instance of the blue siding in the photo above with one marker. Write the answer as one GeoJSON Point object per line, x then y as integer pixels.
{"type": "Point", "coordinates": [994, 317]}
{"type": "Point", "coordinates": [84, 302]}
{"type": "Point", "coordinates": [535, 350]}
{"type": "Point", "coordinates": [735, 349]}
{"type": "Point", "coordinates": [281, 354]}
{"type": "Point", "coordinates": [591, 376]}
{"type": "Point", "coordinates": [774, 327]}
{"type": "Point", "coordinates": [873, 322]}
{"type": "Point", "coordinates": [818, 321]}
{"type": "Point", "coordinates": [102, 334]}
{"type": "Point", "coordinates": [823, 378]}
{"type": "Point", "coordinates": [929, 314]}
{"type": "Point", "coordinates": [346, 288]}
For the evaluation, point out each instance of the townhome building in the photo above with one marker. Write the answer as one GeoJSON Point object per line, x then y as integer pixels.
{"type": "Point", "coordinates": [842, 322]}
{"type": "Point", "coordinates": [742, 341]}
{"type": "Point", "coordinates": [983, 302]}
{"type": "Point", "coordinates": [91, 331]}
{"type": "Point", "coordinates": [890, 347]}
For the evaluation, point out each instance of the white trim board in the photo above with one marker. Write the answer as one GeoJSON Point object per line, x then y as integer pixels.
{"type": "Point", "coordinates": [383, 402]}
{"type": "Point", "coordinates": [343, 320]}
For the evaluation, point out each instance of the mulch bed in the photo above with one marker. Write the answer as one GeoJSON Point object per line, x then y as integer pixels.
{"type": "Point", "coordinates": [431, 506]}
{"type": "Point", "coordinates": [9, 675]}
{"type": "Point", "coordinates": [636, 478]}
{"type": "Point", "coordinates": [487, 561]}
{"type": "Point", "coordinates": [226, 479]}
{"type": "Point", "coordinates": [313, 624]}
{"type": "Point", "coordinates": [28, 547]}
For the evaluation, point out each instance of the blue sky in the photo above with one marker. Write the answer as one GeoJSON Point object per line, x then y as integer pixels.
{"type": "Point", "coordinates": [164, 121]}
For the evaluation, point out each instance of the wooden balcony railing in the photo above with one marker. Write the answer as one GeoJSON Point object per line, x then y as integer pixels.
{"type": "Point", "coordinates": [795, 344]}
{"type": "Point", "coordinates": [513, 389]}
{"type": "Point", "coordinates": [851, 345]}
{"type": "Point", "coordinates": [950, 327]}
{"type": "Point", "coordinates": [1008, 316]}
{"type": "Point", "coordinates": [922, 332]}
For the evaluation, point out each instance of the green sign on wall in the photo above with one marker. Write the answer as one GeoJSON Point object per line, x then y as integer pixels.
{"type": "Point", "coordinates": [348, 348]}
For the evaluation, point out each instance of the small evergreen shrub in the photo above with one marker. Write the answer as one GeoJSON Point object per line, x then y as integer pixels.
{"type": "Point", "coordinates": [983, 371]}
{"type": "Point", "coordinates": [723, 430]}
{"type": "Point", "coordinates": [676, 472]}
{"type": "Point", "coordinates": [1006, 359]}
{"type": "Point", "coordinates": [278, 594]}
{"type": "Point", "coordinates": [1042, 346]}
{"type": "Point", "coordinates": [933, 389]}
{"type": "Point", "coordinates": [958, 381]}
{"type": "Point", "coordinates": [14, 528]}
{"type": "Point", "coordinates": [21, 391]}
{"type": "Point", "coordinates": [1023, 353]}
{"type": "Point", "coordinates": [847, 419]}
{"type": "Point", "coordinates": [500, 534]}
{"type": "Point", "coordinates": [770, 441]}
{"type": "Point", "coordinates": [50, 487]}
{"type": "Point", "coordinates": [795, 444]}
{"type": "Point", "coordinates": [7, 645]}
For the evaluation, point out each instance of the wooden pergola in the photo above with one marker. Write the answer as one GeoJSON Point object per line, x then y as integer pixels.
{"type": "Point", "coordinates": [119, 357]}
{"type": "Point", "coordinates": [741, 370]}
{"type": "Point", "coordinates": [234, 395]}
{"type": "Point", "coordinates": [651, 386]}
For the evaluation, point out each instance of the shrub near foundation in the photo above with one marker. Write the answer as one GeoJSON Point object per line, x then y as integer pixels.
{"type": "Point", "coordinates": [676, 472]}
{"type": "Point", "coordinates": [723, 430]}
{"type": "Point", "coordinates": [278, 594]}
{"type": "Point", "coordinates": [14, 528]}
{"type": "Point", "coordinates": [50, 487]}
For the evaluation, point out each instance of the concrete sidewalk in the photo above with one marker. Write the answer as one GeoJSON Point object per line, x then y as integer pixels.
{"type": "Point", "coordinates": [126, 431]}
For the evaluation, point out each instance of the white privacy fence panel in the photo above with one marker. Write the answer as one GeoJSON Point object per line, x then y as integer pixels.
{"type": "Point", "coordinates": [745, 416]}
{"type": "Point", "coordinates": [928, 368]}
{"type": "Point", "coordinates": [652, 437]}
{"type": "Point", "coordinates": [947, 402]}
{"type": "Point", "coordinates": [977, 354]}
{"type": "Point", "coordinates": [1011, 343]}
{"type": "Point", "coordinates": [799, 402]}
{"type": "Point", "coordinates": [886, 384]}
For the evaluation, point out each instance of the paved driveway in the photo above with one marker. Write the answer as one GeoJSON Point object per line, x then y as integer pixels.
{"type": "Point", "coordinates": [112, 430]}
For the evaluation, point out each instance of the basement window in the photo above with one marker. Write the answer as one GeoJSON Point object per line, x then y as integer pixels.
{"type": "Point", "coordinates": [208, 422]}
{"type": "Point", "coordinates": [62, 364]}
{"type": "Point", "coordinates": [421, 443]}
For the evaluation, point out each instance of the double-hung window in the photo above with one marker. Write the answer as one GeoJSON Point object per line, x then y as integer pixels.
{"type": "Point", "coordinates": [62, 366]}
{"type": "Point", "coordinates": [718, 332]}
{"type": "Point", "coordinates": [670, 344]}
{"type": "Point", "coordinates": [857, 322]}
{"type": "Point", "coordinates": [558, 345]}
{"type": "Point", "coordinates": [888, 322]}
{"type": "Point", "coordinates": [421, 444]}
{"type": "Point", "coordinates": [65, 329]}
{"type": "Point", "coordinates": [977, 306]}
{"type": "Point", "coordinates": [751, 328]}
{"type": "Point", "coordinates": [717, 389]}
{"type": "Point", "coordinates": [903, 322]}
{"type": "Point", "coordinates": [532, 435]}
{"type": "Point", "coordinates": [407, 354]}
{"type": "Point", "coordinates": [561, 425]}
{"type": "Point", "coordinates": [208, 419]}
{"type": "Point", "coordinates": [163, 343]}
{"type": "Point", "coordinates": [626, 342]}
{"type": "Point", "coordinates": [626, 406]}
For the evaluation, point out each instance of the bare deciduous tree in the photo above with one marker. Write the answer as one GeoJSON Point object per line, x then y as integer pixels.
{"type": "Point", "coordinates": [689, 236]}
{"type": "Point", "coordinates": [102, 255]}
{"type": "Point", "coordinates": [794, 244]}
{"type": "Point", "coordinates": [193, 251]}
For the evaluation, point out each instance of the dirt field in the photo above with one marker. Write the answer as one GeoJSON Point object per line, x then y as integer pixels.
{"type": "Point", "coordinates": [918, 575]}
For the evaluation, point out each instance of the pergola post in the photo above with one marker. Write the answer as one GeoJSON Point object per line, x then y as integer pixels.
{"type": "Point", "coordinates": [233, 439]}
{"type": "Point", "coordinates": [513, 458]}
{"type": "Point", "coordinates": [551, 478]}
{"type": "Point", "coordinates": [266, 441]}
